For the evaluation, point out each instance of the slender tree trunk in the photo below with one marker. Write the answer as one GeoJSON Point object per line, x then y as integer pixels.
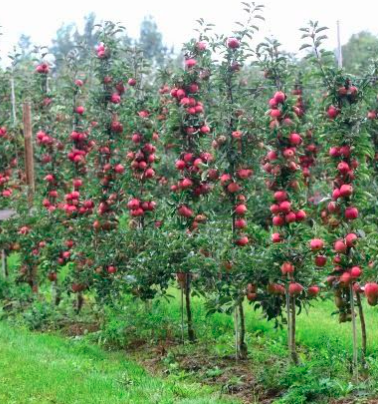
{"type": "Point", "coordinates": [293, 347]}
{"type": "Point", "coordinates": [57, 295]}
{"type": "Point", "coordinates": [243, 349]}
{"type": "Point", "coordinates": [191, 334]}
{"type": "Point", "coordinates": [363, 326]}
{"type": "Point", "coordinates": [79, 302]}
{"type": "Point", "coordinates": [236, 327]}
{"type": "Point", "coordinates": [354, 334]}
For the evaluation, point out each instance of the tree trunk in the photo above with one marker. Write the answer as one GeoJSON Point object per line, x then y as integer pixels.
{"type": "Point", "coordinates": [293, 347]}
{"type": "Point", "coordinates": [79, 302]}
{"type": "Point", "coordinates": [191, 334]}
{"type": "Point", "coordinates": [243, 349]}
{"type": "Point", "coordinates": [363, 325]}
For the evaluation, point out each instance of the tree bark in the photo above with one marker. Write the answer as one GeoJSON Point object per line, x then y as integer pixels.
{"type": "Point", "coordinates": [243, 349]}
{"type": "Point", "coordinates": [79, 302]}
{"type": "Point", "coordinates": [288, 312]}
{"type": "Point", "coordinates": [293, 347]}
{"type": "Point", "coordinates": [191, 333]}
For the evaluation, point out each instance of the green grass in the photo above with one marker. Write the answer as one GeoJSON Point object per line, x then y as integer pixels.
{"type": "Point", "coordinates": [46, 369]}
{"type": "Point", "coordinates": [38, 368]}
{"type": "Point", "coordinates": [325, 347]}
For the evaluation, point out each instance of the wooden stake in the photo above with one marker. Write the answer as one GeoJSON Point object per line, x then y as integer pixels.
{"type": "Point", "coordinates": [354, 334]}
{"type": "Point", "coordinates": [13, 100]}
{"type": "Point", "coordinates": [29, 156]}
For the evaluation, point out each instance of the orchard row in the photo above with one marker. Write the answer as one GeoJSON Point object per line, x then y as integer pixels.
{"type": "Point", "coordinates": [243, 175]}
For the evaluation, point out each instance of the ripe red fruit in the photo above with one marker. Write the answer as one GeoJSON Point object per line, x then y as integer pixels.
{"type": "Point", "coordinates": [340, 246]}
{"type": "Point", "coordinates": [133, 204]}
{"type": "Point", "coordinates": [185, 211]}
{"type": "Point", "coordinates": [80, 110]}
{"type": "Point", "coordinates": [136, 138]}
{"type": "Point", "coordinates": [240, 223]}
{"type": "Point", "coordinates": [295, 289]}
{"type": "Point", "coordinates": [351, 213]}
{"type": "Point", "coordinates": [233, 187]}
{"type": "Point", "coordinates": [285, 206]}
{"type": "Point", "coordinates": [131, 82]}
{"type": "Point", "coordinates": [371, 293]}
{"type": "Point", "coordinates": [336, 194]}
{"type": "Point", "coordinates": [332, 112]}
{"type": "Point", "coordinates": [280, 196]}
{"type": "Point", "coordinates": [112, 269]}
{"type": "Point", "coordinates": [119, 169]}
{"type": "Point", "coordinates": [186, 183]}
{"type": "Point", "coordinates": [275, 113]}
{"type": "Point", "coordinates": [242, 241]}
{"type": "Point", "coordinates": [276, 238]}
{"type": "Point", "coordinates": [205, 129]}
{"type": "Point", "coordinates": [115, 98]}
{"type": "Point", "coordinates": [180, 164]}
{"type": "Point", "coordinates": [233, 43]}
{"type": "Point", "coordinates": [316, 244]}
{"type": "Point", "coordinates": [287, 268]}
{"type": "Point", "coordinates": [351, 239]}
{"type": "Point", "coordinates": [320, 260]}
{"type": "Point", "coordinates": [149, 173]}
{"type": "Point", "coordinates": [279, 97]}
{"type": "Point", "coordinates": [290, 217]}
{"type": "Point", "coordinates": [189, 63]}
{"type": "Point", "coordinates": [201, 46]}
{"type": "Point", "coordinates": [334, 152]}
{"type": "Point", "coordinates": [275, 209]}
{"type": "Point", "coordinates": [43, 68]}
{"type": "Point", "coordinates": [244, 173]}
{"type": "Point", "coordinates": [346, 190]}
{"type": "Point", "coordinates": [52, 276]}
{"type": "Point", "coordinates": [278, 221]}
{"type": "Point", "coordinates": [251, 296]}
{"type": "Point", "coordinates": [345, 278]}
{"type": "Point", "coordinates": [272, 155]}
{"type": "Point", "coordinates": [355, 272]}
{"type": "Point", "coordinates": [241, 210]}
{"type": "Point", "coordinates": [295, 139]}
{"type": "Point", "coordinates": [197, 162]}
{"type": "Point", "coordinates": [77, 183]}
{"type": "Point", "coordinates": [343, 167]}
{"type": "Point", "coordinates": [313, 291]}
{"type": "Point", "coordinates": [301, 215]}
{"type": "Point", "coordinates": [49, 178]}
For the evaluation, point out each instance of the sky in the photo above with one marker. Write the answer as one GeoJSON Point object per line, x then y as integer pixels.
{"type": "Point", "coordinates": [176, 18]}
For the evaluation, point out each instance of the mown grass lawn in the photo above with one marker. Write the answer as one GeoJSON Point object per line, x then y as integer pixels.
{"type": "Point", "coordinates": [45, 369]}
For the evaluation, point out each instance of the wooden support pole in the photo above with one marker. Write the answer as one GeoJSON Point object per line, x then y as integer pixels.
{"type": "Point", "coordinates": [29, 155]}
